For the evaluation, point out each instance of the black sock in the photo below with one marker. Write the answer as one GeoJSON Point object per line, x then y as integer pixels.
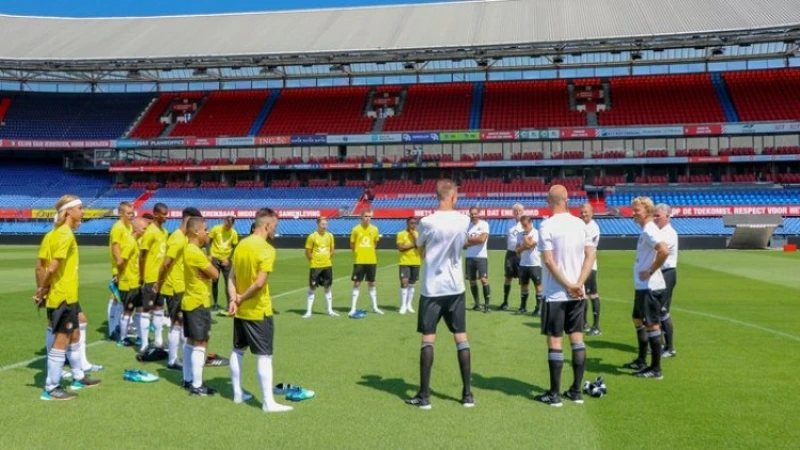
{"type": "Point", "coordinates": [596, 312]}
{"type": "Point", "coordinates": [215, 291]}
{"type": "Point", "coordinates": [523, 300]}
{"type": "Point", "coordinates": [487, 293]}
{"type": "Point", "coordinates": [641, 335]}
{"type": "Point", "coordinates": [585, 312]}
{"type": "Point", "coordinates": [555, 360]}
{"type": "Point", "coordinates": [655, 348]}
{"type": "Point", "coordinates": [425, 365]}
{"type": "Point", "coordinates": [578, 365]}
{"type": "Point", "coordinates": [506, 291]}
{"type": "Point", "coordinates": [668, 330]}
{"type": "Point", "coordinates": [474, 289]}
{"type": "Point", "coordinates": [539, 301]}
{"type": "Point", "coordinates": [462, 349]}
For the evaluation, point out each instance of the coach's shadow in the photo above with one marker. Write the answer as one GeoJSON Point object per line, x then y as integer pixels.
{"type": "Point", "coordinates": [596, 365]}
{"type": "Point", "coordinates": [508, 386]}
{"type": "Point", "coordinates": [39, 378]}
{"type": "Point", "coordinates": [608, 345]}
{"type": "Point", "coordinates": [397, 387]}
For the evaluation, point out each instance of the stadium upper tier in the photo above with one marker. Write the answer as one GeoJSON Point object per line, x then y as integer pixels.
{"type": "Point", "coordinates": [224, 198]}
{"type": "Point", "coordinates": [621, 101]}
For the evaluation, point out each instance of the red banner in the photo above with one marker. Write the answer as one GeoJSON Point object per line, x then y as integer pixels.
{"type": "Point", "coordinates": [61, 144]}
{"type": "Point", "coordinates": [578, 133]}
{"type": "Point", "coordinates": [707, 159]}
{"type": "Point", "coordinates": [489, 213]}
{"type": "Point", "coordinates": [715, 211]}
{"type": "Point", "coordinates": [499, 135]}
{"type": "Point", "coordinates": [251, 213]}
{"type": "Point", "coordinates": [200, 142]}
{"type": "Point", "coordinates": [16, 214]}
{"type": "Point", "coordinates": [455, 164]}
{"type": "Point", "coordinates": [341, 166]}
{"type": "Point", "coordinates": [184, 107]}
{"type": "Point", "coordinates": [273, 140]}
{"type": "Point", "coordinates": [178, 168]}
{"type": "Point", "coordinates": [700, 130]}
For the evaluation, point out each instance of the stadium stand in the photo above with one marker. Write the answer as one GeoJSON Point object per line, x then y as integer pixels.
{"type": "Point", "coordinates": [433, 107]}
{"type": "Point", "coordinates": [224, 113]}
{"type": "Point", "coordinates": [319, 110]}
{"type": "Point", "coordinates": [19, 190]}
{"type": "Point", "coordinates": [224, 198]}
{"type": "Point", "coordinates": [522, 104]}
{"type": "Point", "coordinates": [151, 126]}
{"type": "Point", "coordinates": [765, 94]}
{"type": "Point", "coordinates": [711, 197]}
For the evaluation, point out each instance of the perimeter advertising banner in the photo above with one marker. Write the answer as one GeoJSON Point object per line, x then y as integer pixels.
{"type": "Point", "coordinates": [489, 213]}
{"type": "Point", "coordinates": [251, 213]}
{"type": "Point", "coordinates": [87, 213]}
{"type": "Point", "coordinates": [714, 211]}
{"type": "Point", "coordinates": [460, 136]}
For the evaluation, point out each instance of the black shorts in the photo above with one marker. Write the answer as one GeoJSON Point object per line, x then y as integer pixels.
{"type": "Point", "coordinates": [256, 334]}
{"type": "Point", "coordinates": [647, 306]}
{"type": "Point", "coordinates": [590, 287]}
{"type": "Point", "coordinates": [320, 277]}
{"type": "Point", "coordinates": [512, 264]}
{"type": "Point", "coordinates": [530, 273]}
{"type": "Point", "coordinates": [449, 307]}
{"type": "Point", "coordinates": [197, 324]}
{"type": "Point", "coordinates": [151, 299]}
{"type": "Point", "coordinates": [409, 272]}
{"type": "Point", "coordinates": [131, 299]}
{"type": "Point", "coordinates": [671, 278]}
{"type": "Point", "coordinates": [64, 318]}
{"type": "Point", "coordinates": [224, 271]}
{"type": "Point", "coordinates": [476, 268]}
{"type": "Point", "coordinates": [559, 318]}
{"type": "Point", "coordinates": [361, 271]}
{"type": "Point", "coordinates": [173, 305]}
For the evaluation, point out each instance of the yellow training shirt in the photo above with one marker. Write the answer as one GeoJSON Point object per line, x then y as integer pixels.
{"type": "Point", "coordinates": [364, 241]}
{"type": "Point", "coordinates": [64, 287]}
{"type": "Point", "coordinates": [321, 246]}
{"type": "Point", "coordinates": [118, 232]}
{"type": "Point", "coordinates": [44, 249]}
{"type": "Point", "coordinates": [409, 257]}
{"type": "Point", "coordinates": [252, 256]}
{"type": "Point", "coordinates": [154, 242]}
{"type": "Point", "coordinates": [222, 241]}
{"type": "Point", "coordinates": [198, 286]}
{"type": "Point", "coordinates": [129, 250]}
{"type": "Point", "coordinates": [176, 244]}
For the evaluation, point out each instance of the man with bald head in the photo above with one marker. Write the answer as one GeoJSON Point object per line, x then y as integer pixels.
{"type": "Point", "coordinates": [512, 257]}
{"type": "Point", "coordinates": [568, 253]}
{"type": "Point", "coordinates": [587, 214]}
{"type": "Point", "coordinates": [441, 239]}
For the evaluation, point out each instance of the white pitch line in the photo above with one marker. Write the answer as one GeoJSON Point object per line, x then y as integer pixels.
{"type": "Point", "coordinates": [724, 319]}
{"type": "Point", "coordinates": [17, 365]}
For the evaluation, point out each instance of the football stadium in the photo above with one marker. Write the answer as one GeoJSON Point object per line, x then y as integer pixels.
{"type": "Point", "coordinates": [230, 154]}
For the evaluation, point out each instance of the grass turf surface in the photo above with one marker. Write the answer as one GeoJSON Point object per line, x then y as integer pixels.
{"type": "Point", "coordinates": [731, 385]}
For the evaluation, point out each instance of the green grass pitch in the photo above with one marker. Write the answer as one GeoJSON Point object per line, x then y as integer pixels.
{"type": "Point", "coordinates": [733, 384]}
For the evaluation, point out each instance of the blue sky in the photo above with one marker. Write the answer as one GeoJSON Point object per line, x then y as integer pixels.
{"type": "Point", "coordinates": [112, 8]}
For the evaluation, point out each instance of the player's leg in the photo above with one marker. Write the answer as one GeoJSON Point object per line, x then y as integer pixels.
{"type": "Point", "coordinates": [158, 320]}
{"type": "Point", "coordinates": [471, 275]}
{"type": "Point", "coordinates": [313, 275]}
{"type": "Point", "coordinates": [508, 268]}
{"type": "Point", "coordinates": [667, 327]}
{"type": "Point", "coordinates": [524, 286]}
{"type": "Point", "coordinates": [215, 285]}
{"type": "Point", "coordinates": [128, 306]}
{"type": "Point", "coordinates": [112, 318]}
{"type": "Point", "coordinates": [412, 286]}
{"type": "Point", "coordinates": [371, 272]}
{"type": "Point", "coordinates": [430, 311]}
{"type": "Point", "coordinates": [537, 283]}
{"type": "Point", "coordinates": [405, 273]}
{"type": "Point", "coordinates": [83, 326]}
{"type": "Point", "coordinates": [574, 327]}
{"type": "Point", "coordinates": [327, 275]}
{"type": "Point", "coordinates": [483, 272]}
{"type": "Point", "coordinates": [148, 304]}
{"type": "Point", "coordinates": [226, 273]}
{"type": "Point", "coordinates": [260, 335]}
{"type": "Point", "coordinates": [198, 326]}
{"type": "Point", "coordinates": [175, 335]}
{"type": "Point", "coordinates": [358, 277]}
{"type": "Point", "coordinates": [188, 370]}
{"type": "Point", "coordinates": [456, 321]}
{"type": "Point", "coordinates": [57, 354]}
{"type": "Point", "coordinates": [637, 316]}
{"type": "Point", "coordinates": [553, 327]}
{"type": "Point", "coordinates": [240, 344]}
{"type": "Point", "coordinates": [652, 314]}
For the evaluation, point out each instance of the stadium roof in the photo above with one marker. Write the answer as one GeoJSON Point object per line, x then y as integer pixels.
{"type": "Point", "coordinates": [421, 32]}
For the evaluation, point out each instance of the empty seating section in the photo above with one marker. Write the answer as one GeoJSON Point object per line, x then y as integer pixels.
{"type": "Point", "coordinates": [764, 197]}
{"type": "Point", "coordinates": [694, 179]}
{"type": "Point", "coordinates": [40, 187]}
{"type": "Point", "coordinates": [319, 110]}
{"type": "Point", "coordinates": [739, 178]}
{"type": "Point", "coordinates": [652, 179]}
{"type": "Point", "coordinates": [224, 113]}
{"type": "Point", "coordinates": [781, 150]}
{"type": "Point", "coordinates": [790, 178]}
{"type": "Point", "coordinates": [662, 99]}
{"type": "Point", "coordinates": [528, 104]}
{"type": "Point", "coordinates": [609, 180]}
{"type": "Point", "coordinates": [70, 116]}
{"type": "Point", "coordinates": [737, 151]}
{"type": "Point", "coordinates": [225, 198]}
{"type": "Point", "coordinates": [760, 95]}
{"type": "Point", "coordinates": [693, 152]}
{"type": "Point", "coordinates": [151, 126]}
{"type": "Point", "coordinates": [113, 197]}
{"type": "Point", "coordinates": [432, 107]}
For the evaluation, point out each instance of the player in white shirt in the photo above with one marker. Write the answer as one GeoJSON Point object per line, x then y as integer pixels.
{"type": "Point", "coordinates": [648, 281]}
{"type": "Point", "coordinates": [530, 264]}
{"type": "Point", "coordinates": [669, 269]}
{"type": "Point", "coordinates": [568, 253]}
{"type": "Point", "coordinates": [477, 263]}
{"type": "Point", "coordinates": [441, 240]}
{"type": "Point", "coordinates": [512, 258]}
{"type": "Point", "coordinates": [587, 214]}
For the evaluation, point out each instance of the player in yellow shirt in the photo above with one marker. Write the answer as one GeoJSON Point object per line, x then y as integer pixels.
{"type": "Point", "coordinates": [251, 306]}
{"type": "Point", "coordinates": [363, 242]}
{"type": "Point", "coordinates": [130, 286]}
{"type": "Point", "coordinates": [121, 228]}
{"type": "Point", "coordinates": [319, 252]}
{"type": "Point", "coordinates": [42, 263]}
{"type": "Point", "coordinates": [171, 286]}
{"type": "Point", "coordinates": [58, 291]}
{"type": "Point", "coordinates": [154, 248]}
{"type": "Point", "coordinates": [409, 264]}
{"type": "Point", "coordinates": [196, 305]}
{"type": "Point", "coordinates": [222, 238]}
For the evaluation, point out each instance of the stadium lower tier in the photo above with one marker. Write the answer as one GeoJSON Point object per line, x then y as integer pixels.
{"type": "Point", "coordinates": [686, 226]}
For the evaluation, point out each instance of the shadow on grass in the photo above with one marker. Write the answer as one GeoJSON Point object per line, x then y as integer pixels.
{"type": "Point", "coordinates": [608, 345]}
{"type": "Point", "coordinates": [398, 387]}
{"type": "Point", "coordinates": [508, 386]}
{"type": "Point", "coordinates": [596, 365]}
{"type": "Point", "coordinates": [534, 325]}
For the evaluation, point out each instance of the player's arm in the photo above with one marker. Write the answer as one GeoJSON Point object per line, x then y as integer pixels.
{"type": "Point", "coordinates": [555, 271]}
{"type": "Point", "coordinates": [589, 256]}
{"type": "Point", "coordinates": [166, 266]}
{"type": "Point", "coordinates": [353, 240]}
{"type": "Point", "coordinates": [404, 247]}
{"type": "Point", "coordinates": [210, 271]}
{"type": "Point", "coordinates": [41, 267]}
{"type": "Point", "coordinates": [116, 252]}
{"type": "Point", "coordinates": [309, 246]}
{"type": "Point", "coordinates": [333, 245]}
{"type": "Point", "coordinates": [47, 279]}
{"type": "Point", "coordinates": [528, 243]}
{"type": "Point", "coordinates": [232, 289]}
{"type": "Point", "coordinates": [257, 285]}
{"type": "Point", "coordinates": [662, 252]}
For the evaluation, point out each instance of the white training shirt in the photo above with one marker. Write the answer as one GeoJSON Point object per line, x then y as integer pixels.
{"type": "Point", "coordinates": [443, 235]}
{"type": "Point", "coordinates": [671, 238]}
{"type": "Point", "coordinates": [594, 234]}
{"type": "Point", "coordinates": [475, 230]}
{"type": "Point", "coordinates": [511, 236]}
{"type": "Point", "coordinates": [530, 258]}
{"type": "Point", "coordinates": [567, 237]}
{"type": "Point", "coordinates": [645, 255]}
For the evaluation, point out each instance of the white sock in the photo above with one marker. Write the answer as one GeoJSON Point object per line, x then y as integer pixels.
{"type": "Point", "coordinates": [119, 310]}
{"type": "Point", "coordinates": [167, 322]}
{"type": "Point", "coordinates": [354, 300]}
{"type": "Point", "coordinates": [158, 323]}
{"type": "Point", "coordinates": [410, 297]}
{"type": "Point", "coordinates": [49, 337]}
{"type": "Point", "coordinates": [198, 361]}
{"type": "Point", "coordinates": [137, 318]}
{"type": "Point", "coordinates": [237, 358]}
{"type": "Point", "coordinates": [187, 362]}
{"type": "Point", "coordinates": [110, 315]}
{"type": "Point", "coordinates": [265, 380]}
{"type": "Point", "coordinates": [123, 327]}
{"type": "Point", "coordinates": [144, 330]}
{"type": "Point", "coordinates": [403, 298]}
{"type": "Point", "coordinates": [173, 340]}
{"type": "Point", "coordinates": [373, 294]}
{"type": "Point", "coordinates": [329, 299]}
{"type": "Point", "coordinates": [85, 364]}
{"type": "Point", "coordinates": [74, 355]}
{"type": "Point", "coordinates": [55, 364]}
{"type": "Point", "coordinates": [310, 302]}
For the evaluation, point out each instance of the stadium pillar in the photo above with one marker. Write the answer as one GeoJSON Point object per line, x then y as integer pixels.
{"type": "Point", "coordinates": [342, 152]}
